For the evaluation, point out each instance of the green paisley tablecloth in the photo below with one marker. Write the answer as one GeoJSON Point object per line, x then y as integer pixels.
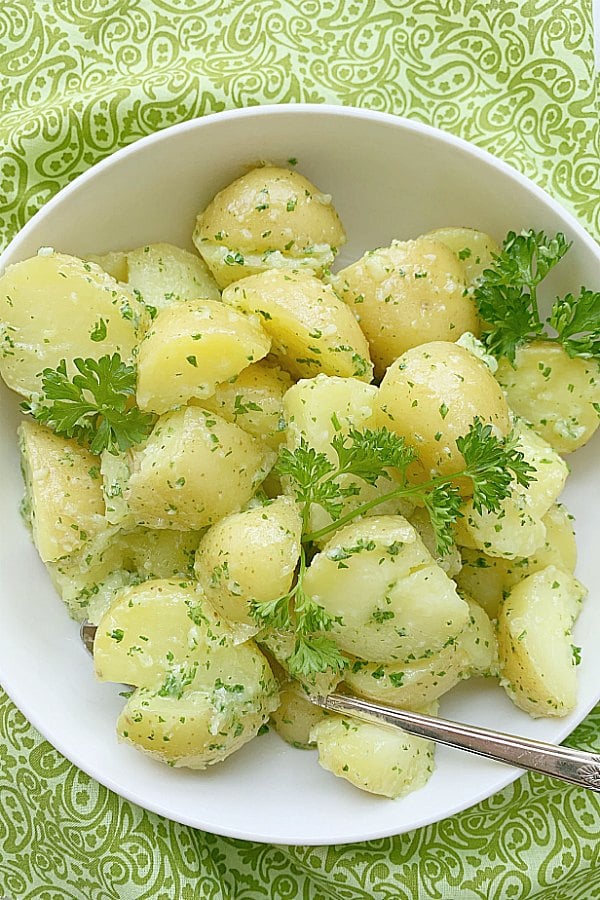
{"type": "Point", "coordinates": [79, 78]}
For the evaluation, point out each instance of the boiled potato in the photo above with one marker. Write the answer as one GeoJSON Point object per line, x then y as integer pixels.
{"type": "Point", "coordinates": [317, 409]}
{"type": "Point", "coordinates": [153, 553]}
{"type": "Point", "coordinates": [55, 307]}
{"type": "Point", "coordinates": [450, 561]}
{"type": "Point", "coordinates": [254, 401]}
{"type": "Point", "coordinates": [165, 274]}
{"type": "Point", "coordinates": [392, 601]}
{"type": "Point", "coordinates": [409, 685]}
{"type": "Point", "coordinates": [517, 529]}
{"type": "Point", "coordinates": [537, 657]}
{"type": "Point", "coordinates": [488, 578]}
{"type": "Point", "coordinates": [268, 218]}
{"type": "Point", "coordinates": [372, 757]}
{"type": "Point", "coordinates": [311, 329]}
{"type": "Point", "coordinates": [194, 469]}
{"type": "Point", "coordinates": [63, 501]}
{"type": "Point", "coordinates": [558, 395]}
{"type": "Point", "coordinates": [418, 683]}
{"type": "Point", "coordinates": [88, 582]}
{"type": "Point", "coordinates": [251, 555]}
{"type": "Point", "coordinates": [431, 395]}
{"type": "Point", "coordinates": [478, 641]}
{"type": "Point", "coordinates": [114, 262]}
{"type": "Point", "coordinates": [295, 717]}
{"type": "Point", "coordinates": [192, 347]}
{"type": "Point", "coordinates": [559, 548]}
{"type": "Point", "coordinates": [474, 249]}
{"type": "Point", "coordinates": [115, 471]}
{"type": "Point", "coordinates": [483, 577]}
{"type": "Point", "coordinates": [407, 294]}
{"type": "Point", "coordinates": [201, 697]}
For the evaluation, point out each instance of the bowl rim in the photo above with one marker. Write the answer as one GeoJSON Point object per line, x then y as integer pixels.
{"type": "Point", "coordinates": [298, 109]}
{"type": "Point", "coordinates": [281, 110]}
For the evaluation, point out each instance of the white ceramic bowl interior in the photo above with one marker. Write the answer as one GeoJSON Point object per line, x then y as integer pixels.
{"type": "Point", "coordinates": [390, 178]}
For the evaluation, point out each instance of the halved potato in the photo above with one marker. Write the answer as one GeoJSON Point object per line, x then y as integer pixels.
{"type": "Point", "coordinates": [269, 218]}
{"type": "Point", "coordinates": [193, 346]}
{"type": "Point", "coordinates": [311, 329]}
{"type": "Point", "coordinates": [165, 274]}
{"type": "Point", "coordinates": [55, 307]}
{"type": "Point", "coordinates": [537, 657]}
{"type": "Point", "coordinates": [372, 757]}
{"type": "Point", "coordinates": [475, 250]}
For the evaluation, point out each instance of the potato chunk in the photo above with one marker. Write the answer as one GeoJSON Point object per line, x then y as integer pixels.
{"type": "Point", "coordinates": [200, 697]}
{"type": "Point", "coordinates": [432, 394]}
{"type": "Point", "coordinates": [192, 347]}
{"type": "Point", "coordinates": [416, 684]}
{"type": "Point", "coordinates": [393, 601]}
{"type": "Point", "coordinates": [474, 249]}
{"type": "Point", "coordinates": [407, 294]}
{"type": "Point", "coordinates": [558, 395]}
{"type": "Point", "coordinates": [63, 492]}
{"type": "Point", "coordinates": [251, 555]}
{"type": "Point", "coordinates": [372, 757]}
{"type": "Point", "coordinates": [254, 401]}
{"type": "Point", "coordinates": [268, 218]}
{"type": "Point", "coordinates": [295, 717]}
{"type": "Point", "coordinates": [194, 469]}
{"type": "Point", "coordinates": [517, 529]}
{"type": "Point", "coordinates": [311, 329]}
{"type": "Point", "coordinates": [165, 274]}
{"type": "Point", "coordinates": [537, 658]}
{"type": "Point", "coordinates": [55, 307]}
{"type": "Point", "coordinates": [317, 409]}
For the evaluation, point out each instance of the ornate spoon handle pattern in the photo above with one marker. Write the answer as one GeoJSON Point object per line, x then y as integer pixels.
{"type": "Point", "coordinates": [575, 766]}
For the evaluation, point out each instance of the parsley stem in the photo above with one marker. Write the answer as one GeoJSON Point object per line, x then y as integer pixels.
{"type": "Point", "coordinates": [403, 490]}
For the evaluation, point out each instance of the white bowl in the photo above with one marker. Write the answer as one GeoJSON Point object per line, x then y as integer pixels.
{"type": "Point", "coordinates": [390, 178]}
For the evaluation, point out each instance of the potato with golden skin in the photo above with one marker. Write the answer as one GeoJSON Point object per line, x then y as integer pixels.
{"type": "Point", "coordinates": [199, 697]}
{"type": "Point", "coordinates": [537, 661]}
{"type": "Point", "coordinates": [474, 249]}
{"type": "Point", "coordinates": [373, 757]}
{"type": "Point", "coordinates": [192, 347]}
{"type": "Point", "coordinates": [488, 578]}
{"type": "Point", "coordinates": [250, 555]}
{"type": "Point", "coordinates": [311, 329]}
{"type": "Point", "coordinates": [194, 469]}
{"type": "Point", "coordinates": [556, 393]}
{"type": "Point", "coordinates": [54, 307]}
{"type": "Point", "coordinates": [408, 294]}
{"type": "Point", "coordinates": [268, 218]}
{"type": "Point", "coordinates": [63, 492]}
{"type": "Point", "coordinates": [431, 396]}
{"type": "Point", "coordinates": [390, 600]}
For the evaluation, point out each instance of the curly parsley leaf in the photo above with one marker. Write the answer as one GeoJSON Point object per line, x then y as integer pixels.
{"type": "Point", "coordinates": [506, 296]}
{"type": "Point", "coordinates": [577, 323]}
{"type": "Point", "coordinates": [492, 464]}
{"type": "Point", "coordinates": [313, 655]}
{"type": "Point", "coordinates": [443, 505]}
{"type": "Point", "coordinates": [94, 406]}
{"type": "Point", "coordinates": [369, 453]}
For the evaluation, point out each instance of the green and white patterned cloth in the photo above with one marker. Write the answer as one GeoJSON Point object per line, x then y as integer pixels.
{"type": "Point", "coordinates": [80, 78]}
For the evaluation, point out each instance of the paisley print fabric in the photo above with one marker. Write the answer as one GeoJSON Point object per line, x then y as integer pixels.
{"type": "Point", "coordinates": [80, 78]}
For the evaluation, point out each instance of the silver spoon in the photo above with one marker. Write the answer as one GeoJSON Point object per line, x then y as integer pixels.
{"type": "Point", "coordinates": [574, 766]}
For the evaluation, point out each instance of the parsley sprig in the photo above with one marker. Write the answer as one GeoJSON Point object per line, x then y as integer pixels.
{"type": "Point", "coordinates": [296, 611]}
{"type": "Point", "coordinates": [507, 300]}
{"type": "Point", "coordinates": [94, 406]}
{"type": "Point", "coordinates": [492, 465]}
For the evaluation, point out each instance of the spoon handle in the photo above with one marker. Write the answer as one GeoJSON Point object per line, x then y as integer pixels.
{"type": "Point", "coordinates": [574, 766]}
